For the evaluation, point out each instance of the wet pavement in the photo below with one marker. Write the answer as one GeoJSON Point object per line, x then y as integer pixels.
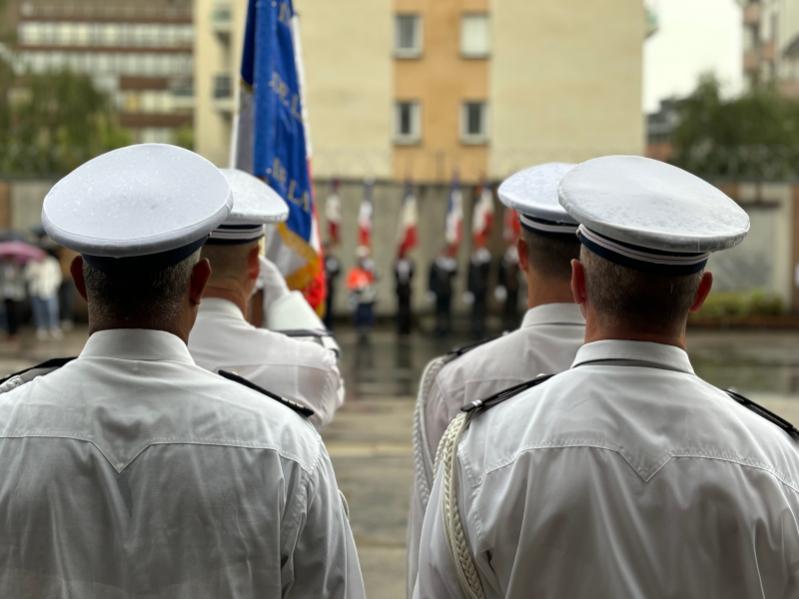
{"type": "Point", "coordinates": [369, 441]}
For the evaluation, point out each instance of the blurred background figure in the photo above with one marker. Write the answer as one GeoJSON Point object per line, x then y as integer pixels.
{"type": "Point", "coordinates": [12, 290]}
{"type": "Point", "coordinates": [442, 272]}
{"type": "Point", "coordinates": [508, 271]}
{"type": "Point", "coordinates": [66, 292]}
{"type": "Point", "coordinates": [477, 289]}
{"type": "Point", "coordinates": [403, 277]}
{"type": "Point", "coordinates": [404, 267]}
{"type": "Point", "coordinates": [361, 285]}
{"type": "Point", "coordinates": [43, 277]}
{"type": "Point", "coordinates": [332, 273]}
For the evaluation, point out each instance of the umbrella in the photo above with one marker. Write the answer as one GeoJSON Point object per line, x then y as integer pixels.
{"type": "Point", "coordinates": [20, 250]}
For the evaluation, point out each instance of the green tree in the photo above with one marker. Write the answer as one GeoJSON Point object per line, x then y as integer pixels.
{"type": "Point", "coordinates": [754, 136]}
{"type": "Point", "coordinates": [54, 122]}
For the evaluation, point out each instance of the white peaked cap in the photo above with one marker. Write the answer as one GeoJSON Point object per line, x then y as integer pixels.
{"type": "Point", "coordinates": [138, 201]}
{"type": "Point", "coordinates": [533, 193]}
{"type": "Point", "coordinates": [650, 215]}
{"type": "Point", "coordinates": [254, 204]}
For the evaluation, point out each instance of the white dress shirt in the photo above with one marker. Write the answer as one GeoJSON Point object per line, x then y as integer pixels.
{"type": "Point", "coordinates": [546, 343]}
{"type": "Point", "coordinates": [132, 472]}
{"type": "Point", "coordinates": [626, 476]}
{"type": "Point", "coordinates": [301, 371]}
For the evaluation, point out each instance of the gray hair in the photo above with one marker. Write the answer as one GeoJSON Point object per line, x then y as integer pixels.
{"type": "Point", "coordinates": [644, 301]}
{"type": "Point", "coordinates": [139, 294]}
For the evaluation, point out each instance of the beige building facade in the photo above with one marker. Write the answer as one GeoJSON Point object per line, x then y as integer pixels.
{"type": "Point", "coordinates": [429, 88]}
{"type": "Point", "coordinates": [771, 44]}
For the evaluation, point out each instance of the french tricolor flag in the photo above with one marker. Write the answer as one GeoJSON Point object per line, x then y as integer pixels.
{"type": "Point", "coordinates": [333, 214]}
{"type": "Point", "coordinates": [365, 216]}
{"type": "Point", "coordinates": [512, 227]}
{"type": "Point", "coordinates": [409, 218]}
{"type": "Point", "coordinates": [453, 233]}
{"type": "Point", "coordinates": [483, 216]}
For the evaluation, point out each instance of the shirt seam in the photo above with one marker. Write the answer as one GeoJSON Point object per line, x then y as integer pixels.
{"type": "Point", "coordinates": [233, 443]}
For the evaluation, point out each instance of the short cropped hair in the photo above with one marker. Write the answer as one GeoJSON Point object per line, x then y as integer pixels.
{"type": "Point", "coordinates": [551, 255]}
{"type": "Point", "coordinates": [641, 300]}
{"type": "Point", "coordinates": [134, 295]}
{"type": "Point", "coordinates": [228, 261]}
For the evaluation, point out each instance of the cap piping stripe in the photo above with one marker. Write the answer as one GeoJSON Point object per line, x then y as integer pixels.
{"type": "Point", "coordinates": [640, 253]}
{"type": "Point", "coordinates": [547, 226]}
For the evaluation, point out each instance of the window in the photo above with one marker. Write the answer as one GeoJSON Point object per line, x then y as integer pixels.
{"type": "Point", "coordinates": [408, 36]}
{"type": "Point", "coordinates": [475, 42]}
{"type": "Point", "coordinates": [474, 126]}
{"type": "Point", "coordinates": [408, 122]}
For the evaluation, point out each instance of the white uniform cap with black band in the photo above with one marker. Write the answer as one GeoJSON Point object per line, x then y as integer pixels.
{"type": "Point", "coordinates": [533, 193]}
{"type": "Point", "coordinates": [649, 215]}
{"type": "Point", "coordinates": [146, 205]}
{"type": "Point", "coordinates": [254, 205]}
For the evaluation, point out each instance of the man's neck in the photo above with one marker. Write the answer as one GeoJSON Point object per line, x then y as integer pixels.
{"type": "Point", "coordinates": [109, 325]}
{"type": "Point", "coordinates": [543, 290]}
{"type": "Point", "coordinates": [598, 331]}
{"type": "Point", "coordinates": [236, 297]}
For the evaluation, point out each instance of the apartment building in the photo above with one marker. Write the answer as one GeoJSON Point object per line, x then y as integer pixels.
{"type": "Point", "coordinates": [138, 52]}
{"type": "Point", "coordinates": [771, 44]}
{"type": "Point", "coordinates": [429, 88]}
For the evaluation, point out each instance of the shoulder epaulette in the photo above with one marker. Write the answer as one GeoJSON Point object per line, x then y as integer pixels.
{"type": "Point", "coordinates": [765, 413]}
{"type": "Point", "coordinates": [302, 410]}
{"type": "Point", "coordinates": [465, 349]}
{"type": "Point", "coordinates": [488, 402]}
{"type": "Point", "coordinates": [12, 381]}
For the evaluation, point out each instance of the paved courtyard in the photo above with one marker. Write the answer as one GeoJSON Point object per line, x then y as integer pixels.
{"type": "Point", "coordinates": [370, 439]}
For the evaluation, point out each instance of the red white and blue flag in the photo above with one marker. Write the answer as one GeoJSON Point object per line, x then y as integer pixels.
{"type": "Point", "coordinates": [333, 214]}
{"type": "Point", "coordinates": [409, 217]}
{"type": "Point", "coordinates": [511, 226]}
{"type": "Point", "coordinates": [365, 214]}
{"type": "Point", "coordinates": [271, 139]}
{"type": "Point", "coordinates": [453, 232]}
{"type": "Point", "coordinates": [482, 216]}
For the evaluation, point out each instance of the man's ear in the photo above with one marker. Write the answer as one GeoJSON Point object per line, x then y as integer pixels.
{"type": "Point", "coordinates": [521, 249]}
{"type": "Point", "coordinates": [200, 274]}
{"type": "Point", "coordinates": [76, 269]}
{"type": "Point", "coordinates": [253, 264]}
{"type": "Point", "coordinates": [578, 282]}
{"type": "Point", "coordinates": [702, 291]}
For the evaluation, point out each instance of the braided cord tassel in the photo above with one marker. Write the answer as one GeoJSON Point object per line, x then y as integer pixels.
{"type": "Point", "coordinates": [445, 459]}
{"type": "Point", "coordinates": [422, 466]}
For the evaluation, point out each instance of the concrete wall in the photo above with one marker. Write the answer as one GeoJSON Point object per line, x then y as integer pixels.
{"type": "Point", "coordinates": [347, 48]}
{"type": "Point", "coordinates": [565, 81]}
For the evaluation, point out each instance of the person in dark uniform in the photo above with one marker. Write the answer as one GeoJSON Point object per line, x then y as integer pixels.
{"type": "Point", "coordinates": [508, 285]}
{"type": "Point", "coordinates": [442, 272]}
{"type": "Point", "coordinates": [477, 285]}
{"type": "Point", "coordinates": [332, 272]}
{"type": "Point", "coordinates": [403, 280]}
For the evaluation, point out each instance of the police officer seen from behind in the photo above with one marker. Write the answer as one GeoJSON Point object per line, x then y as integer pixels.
{"type": "Point", "coordinates": [132, 472]}
{"type": "Point", "coordinates": [627, 475]}
{"type": "Point", "coordinates": [299, 370]}
{"type": "Point", "coordinates": [439, 284]}
{"type": "Point", "coordinates": [547, 341]}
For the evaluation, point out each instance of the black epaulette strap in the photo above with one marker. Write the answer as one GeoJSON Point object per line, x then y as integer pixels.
{"type": "Point", "coordinates": [765, 413]}
{"type": "Point", "coordinates": [488, 402]}
{"type": "Point", "coordinates": [28, 374]}
{"type": "Point", "coordinates": [465, 349]}
{"type": "Point", "coordinates": [302, 410]}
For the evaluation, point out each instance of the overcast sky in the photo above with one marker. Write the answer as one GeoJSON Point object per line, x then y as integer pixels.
{"type": "Point", "coordinates": [694, 36]}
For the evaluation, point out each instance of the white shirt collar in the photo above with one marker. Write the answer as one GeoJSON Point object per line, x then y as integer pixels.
{"type": "Point", "coordinates": [218, 305]}
{"type": "Point", "coordinates": [638, 353]}
{"type": "Point", "coordinates": [553, 314]}
{"type": "Point", "coordinates": [136, 344]}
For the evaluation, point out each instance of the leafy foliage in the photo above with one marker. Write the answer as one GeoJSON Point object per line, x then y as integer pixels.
{"type": "Point", "coordinates": [754, 136]}
{"type": "Point", "coordinates": [52, 122]}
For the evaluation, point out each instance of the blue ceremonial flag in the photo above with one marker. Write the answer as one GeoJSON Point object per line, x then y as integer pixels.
{"type": "Point", "coordinates": [272, 138]}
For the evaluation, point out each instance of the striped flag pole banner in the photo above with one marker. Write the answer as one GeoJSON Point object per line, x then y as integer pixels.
{"type": "Point", "coordinates": [272, 139]}
{"type": "Point", "coordinates": [365, 215]}
{"type": "Point", "coordinates": [482, 216]}
{"type": "Point", "coordinates": [408, 222]}
{"type": "Point", "coordinates": [453, 233]}
{"type": "Point", "coordinates": [333, 214]}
